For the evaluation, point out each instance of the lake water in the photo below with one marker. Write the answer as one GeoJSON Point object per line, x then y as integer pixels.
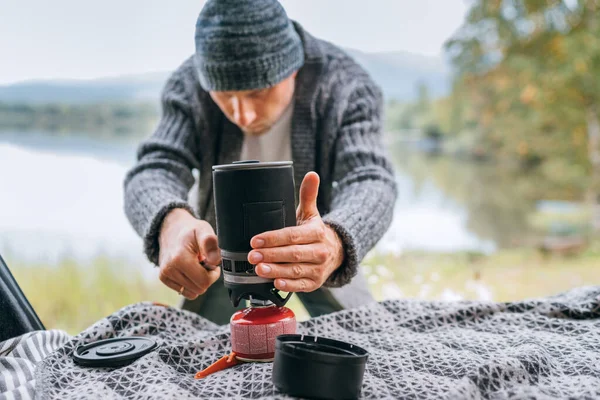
{"type": "Point", "coordinates": [63, 197]}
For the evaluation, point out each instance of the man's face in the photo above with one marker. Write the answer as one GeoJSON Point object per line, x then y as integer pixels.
{"type": "Point", "coordinates": [255, 111]}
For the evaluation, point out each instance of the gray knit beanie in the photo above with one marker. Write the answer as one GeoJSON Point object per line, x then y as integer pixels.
{"type": "Point", "coordinates": [245, 45]}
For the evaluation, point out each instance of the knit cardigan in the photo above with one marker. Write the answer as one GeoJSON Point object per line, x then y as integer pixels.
{"type": "Point", "coordinates": [336, 132]}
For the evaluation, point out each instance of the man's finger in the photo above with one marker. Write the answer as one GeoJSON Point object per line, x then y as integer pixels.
{"type": "Point", "coordinates": [209, 247]}
{"type": "Point", "coordinates": [197, 274]}
{"type": "Point", "coordinates": [299, 253]}
{"type": "Point", "coordinates": [188, 294]}
{"type": "Point", "coordinates": [213, 275]}
{"type": "Point", "coordinates": [173, 271]}
{"type": "Point", "coordinates": [296, 285]}
{"type": "Point", "coordinates": [290, 271]}
{"type": "Point", "coordinates": [194, 278]}
{"type": "Point", "coordinates": [302, 234]}
{"type": "Point", "coordinates": [308, 197]}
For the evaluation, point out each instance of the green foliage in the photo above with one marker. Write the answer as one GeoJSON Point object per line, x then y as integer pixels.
{"type": "Point", "coordinates": [422, 115]}
{"type": "Point", "coordinates": [398, 116]}
{"type": "Point", "coordinates": [526, 100]}
{"type": "Point", "coordinates": [529, 71]}
{"type": "Point", "coordinates": [100, 120]}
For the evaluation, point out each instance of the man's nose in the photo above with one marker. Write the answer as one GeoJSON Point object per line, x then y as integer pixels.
{"type": "Point", "coordinates": [243, 112]}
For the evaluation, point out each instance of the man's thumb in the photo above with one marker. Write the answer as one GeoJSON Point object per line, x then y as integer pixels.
{"type": "Point", "coordinates": [308, 196]}
{"type": "Point", "coordinates": [209, 247]}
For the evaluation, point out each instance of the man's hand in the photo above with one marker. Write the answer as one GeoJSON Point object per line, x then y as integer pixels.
{"type": "Point", "coordinates": [300, 258]}
{"type": "Point", "coordinates": [184, 242]}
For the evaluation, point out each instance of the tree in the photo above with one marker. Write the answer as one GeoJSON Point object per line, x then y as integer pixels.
{"type": "Point", "coordinates": [531, 68]}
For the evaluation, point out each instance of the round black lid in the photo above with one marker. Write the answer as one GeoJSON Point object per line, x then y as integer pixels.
{"type": "Point", "coordinates": [317, 367]}
{"type": "Point", "coordinates": [115, 352]}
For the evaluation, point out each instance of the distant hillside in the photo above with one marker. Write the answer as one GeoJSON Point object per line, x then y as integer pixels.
{"type": "Point", "coordinates": [398, 73]}
{"type": "Point", "coordinates": [114, 89]}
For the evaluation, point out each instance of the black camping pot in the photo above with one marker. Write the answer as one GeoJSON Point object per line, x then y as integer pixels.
{"type": "Point", "coordinates": [318, 367]}
{"type": "Point", "coordinates": [251, 197]}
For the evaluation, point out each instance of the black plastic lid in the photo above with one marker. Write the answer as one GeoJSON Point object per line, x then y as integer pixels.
{"type": "Point", "coordinates": [317, 367]}
{"type": "Point", "coordinates": [116, 352]}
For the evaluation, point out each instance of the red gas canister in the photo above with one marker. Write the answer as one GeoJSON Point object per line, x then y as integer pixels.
{"type": "Point", "coordinates": [253, 333]}
{"type": "Point", "coordinates": [254, 329]}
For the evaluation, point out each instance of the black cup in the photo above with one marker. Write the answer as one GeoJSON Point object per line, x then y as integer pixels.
{"type": "Point", "coordinates": [250, 198]}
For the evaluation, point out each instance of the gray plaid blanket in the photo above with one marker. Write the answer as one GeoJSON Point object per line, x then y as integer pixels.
{"type": "Point", "coordinates": [539, 348]}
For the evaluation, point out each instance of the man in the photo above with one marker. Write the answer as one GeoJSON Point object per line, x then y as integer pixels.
{"type": "Point", "coordinates": [260, 87]}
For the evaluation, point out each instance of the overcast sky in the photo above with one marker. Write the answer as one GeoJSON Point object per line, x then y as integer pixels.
{"type": "Point", "coordinates": [62, 39]}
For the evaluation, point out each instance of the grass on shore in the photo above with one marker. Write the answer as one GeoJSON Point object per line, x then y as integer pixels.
{"type": "Point", "coordinates": [508, 275]}
{"type": "Point", "coordinates": [72, 297]}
